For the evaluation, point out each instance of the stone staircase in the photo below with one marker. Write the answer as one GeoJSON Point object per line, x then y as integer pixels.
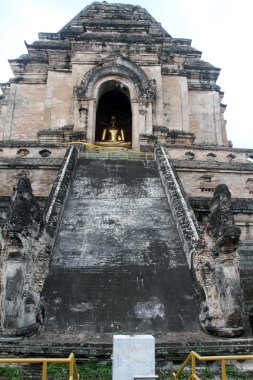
{"type": "Point", "coordinates": [118, 264]}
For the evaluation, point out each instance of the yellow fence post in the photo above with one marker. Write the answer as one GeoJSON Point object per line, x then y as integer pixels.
{"type": "Point", "coordinates": [44, 371]}
{"type": "Point", "coordinates": [71, 366]}
{"type": "Point", "coordinates": [223, 370]}
{"type": "Point", "coordinates": [193, 364]}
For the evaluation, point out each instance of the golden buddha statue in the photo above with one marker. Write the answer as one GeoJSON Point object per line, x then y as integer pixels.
{"type": "Point", "coordinates": [113, 136]}
{"type": "Point", "coordinates": [112, 133]}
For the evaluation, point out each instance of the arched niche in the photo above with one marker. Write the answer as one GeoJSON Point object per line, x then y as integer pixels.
{"type": "Point", "coordinates": [100, 88]}
{"type": "Point", "coordinates": [141, 92]}
{"type": "Point", "coordinates": [114, 100]}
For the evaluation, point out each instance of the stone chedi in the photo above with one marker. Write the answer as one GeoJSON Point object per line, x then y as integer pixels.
{"type": "Point", "coordinates": [103, 245]}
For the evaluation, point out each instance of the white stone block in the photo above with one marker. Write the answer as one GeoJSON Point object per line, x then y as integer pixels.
{"type": "Point", "coordinates": [133, 357]}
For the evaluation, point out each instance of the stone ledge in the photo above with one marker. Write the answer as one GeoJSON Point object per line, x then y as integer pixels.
{"type": "Point", "coordinates": [197, 164]}
{"type": "Point", "coordinates": [30, 143]}
{"type": "Point", "coordinates": [35, 163]}
{"type": "Point", "coordinates": [202, 204]}
{"type": "Point", "coordinates": [210, 147]}
{"type": "Point", "coordinates": [21, 332]}
{"type": "Point", "coordinates": [172, 348]}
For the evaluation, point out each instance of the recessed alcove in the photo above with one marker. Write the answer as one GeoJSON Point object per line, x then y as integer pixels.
{"type": "Point", "coordinates": [113, 101]}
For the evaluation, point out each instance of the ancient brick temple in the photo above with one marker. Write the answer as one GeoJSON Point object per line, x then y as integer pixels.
{"type": "Point", "coordinates": [98, 238]}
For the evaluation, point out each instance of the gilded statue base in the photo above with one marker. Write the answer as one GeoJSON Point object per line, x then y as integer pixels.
{"type": "Point", "coordinates": [124, 144]}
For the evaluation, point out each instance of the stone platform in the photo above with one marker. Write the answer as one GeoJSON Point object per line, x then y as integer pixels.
{"type": "Point", "coordinates": [173, 347]}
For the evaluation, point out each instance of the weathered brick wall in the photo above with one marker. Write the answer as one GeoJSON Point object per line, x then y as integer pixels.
{"type": "Point", "coordinates": [59, 100]}
{"type": "Point", "coordinates": [175, 103]}
{"type": "Point", "coordinates": [154, 72]}
{"type": "Point", "coordinates": [245, 222]}
{"type": "Point", "coordinates": [204, 114]}
{"type": "Point", "coordinates": [82, 63]}
{"type": "Point", "coordinates": [47, 77]}
{"type": "Point", "coordinates": [201, 169]}
{"type": "Point", "coordinates": [32, 107]}
{"type": "Point", "coordinates": [41, 180]}
{"type": "Point", "coordinates": [205, 153]}
{"type": "Point", "coordinates": [34, 151]}
{"type": "Point", "coordinates": [194, 181]}
{"type": "Point", "coordinates": [40, 169]}
{"type": "Point", "coordinates": [25, 113]}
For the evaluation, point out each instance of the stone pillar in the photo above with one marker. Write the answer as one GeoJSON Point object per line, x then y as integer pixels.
{"type": "Point", "coordinates": [9, 112]}
{"type": "Point", "coordinates": [91, 121]}
{"type": "Point", "coordinates": [83, 118]}
{"type": "Point", "coordinates": [142, 120]}
{"type": "Point", "coordinates": [135, 125]}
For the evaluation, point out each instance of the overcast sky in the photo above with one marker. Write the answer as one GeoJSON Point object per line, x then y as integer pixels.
{"type": "Point", "coordinates": [221, 29]}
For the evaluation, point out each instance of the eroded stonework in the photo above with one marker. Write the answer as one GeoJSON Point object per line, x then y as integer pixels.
{"type": "Point", "coordinates": [211, 254]}
{"type": "Point", "coordinates": [162, 74]}
{"type": "Point", "coordinates": [64, 92]}
{"type": "Point", "coordinates": [217, 269]}
{"type": "Point", "coordinates": [26, 246]}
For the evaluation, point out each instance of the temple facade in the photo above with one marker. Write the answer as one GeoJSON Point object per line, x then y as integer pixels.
{"type": "Point", "coordinates": [114, 80]}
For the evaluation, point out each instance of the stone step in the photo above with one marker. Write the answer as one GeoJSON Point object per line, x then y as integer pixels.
{"type": "Point", "coordinates": [118, 262]}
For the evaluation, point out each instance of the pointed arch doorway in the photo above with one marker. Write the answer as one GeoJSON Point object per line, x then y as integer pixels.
{"type": "Point", "coordinates": [114, 115]}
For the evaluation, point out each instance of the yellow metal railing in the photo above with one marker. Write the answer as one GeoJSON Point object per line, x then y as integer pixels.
{"type": "Point", "coordinates": [127, 155]}
{"type": "Point", "coordinates": [97, 151]}
{"type": "Point", "coordinates": [73, 373]}
{"type": "Point", "coordinates": [193, 356]}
